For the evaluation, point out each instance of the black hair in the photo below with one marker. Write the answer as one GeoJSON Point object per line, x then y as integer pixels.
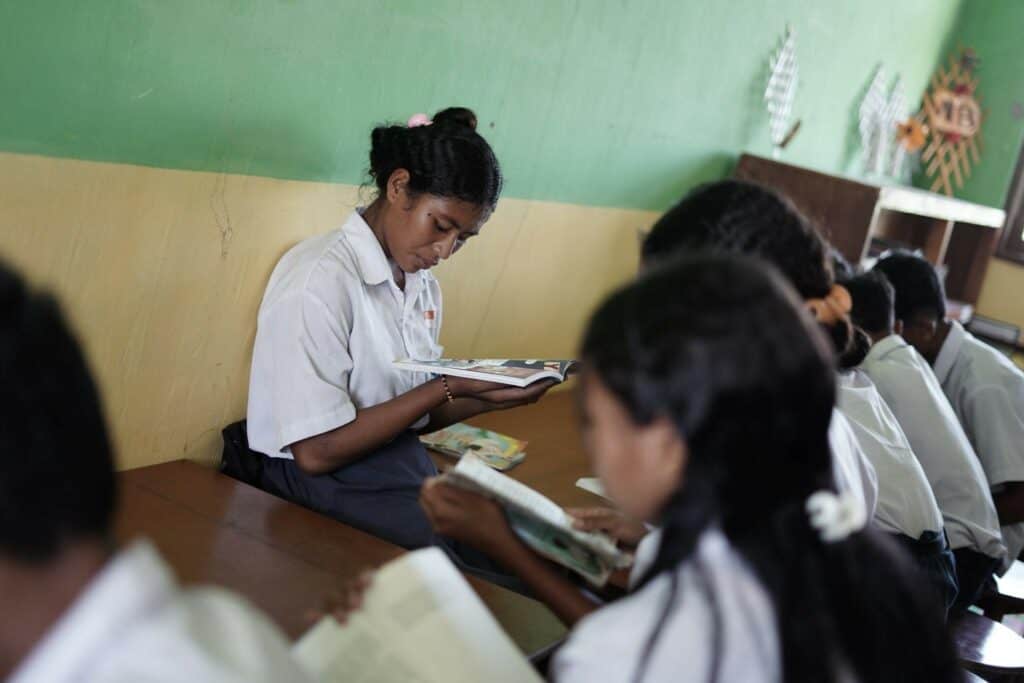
{"type": "Point", "coordinates": [447, 158]}
{"type": "Point", "coordinates": [842, 268]}
{"type": "Point", "coordinates": [734, 216]}
{"type": "Point", "coordinates": [917, 285]}
{"type": "Point", "coordinates": [755, 417]}
{"type": "Point", "coordinates": [873, 298]}
{"type": "Point", "coordinates": [57, 477]}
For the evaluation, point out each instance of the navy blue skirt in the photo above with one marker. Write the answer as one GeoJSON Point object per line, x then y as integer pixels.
{"type": "Point", "coordinates": [378, 493]}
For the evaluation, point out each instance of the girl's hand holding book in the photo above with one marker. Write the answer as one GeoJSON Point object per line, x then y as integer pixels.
{"type": "Point", "coordinates": [466, 516]}
{"type": "Point", "coordinates": [345, 602]}
{"type": "Point", "coordinates": [625, 530]}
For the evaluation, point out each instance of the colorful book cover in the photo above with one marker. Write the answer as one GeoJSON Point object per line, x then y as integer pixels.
{"type": "Point", "coordinates": [496, 450]}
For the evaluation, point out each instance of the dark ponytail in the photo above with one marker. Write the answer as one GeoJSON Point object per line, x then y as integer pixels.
{"type": "Point", "coordinates": [447, 158]}
{"type": "Point", "coordinates": [718, 345]}
{"type": "Point", "coordinates": [734, 216]}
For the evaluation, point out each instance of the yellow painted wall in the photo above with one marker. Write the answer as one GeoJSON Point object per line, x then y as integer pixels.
{"type": "Point", "coordinates": [1002, 295]}
{"type": "Point", "coordinates": [162, 273]}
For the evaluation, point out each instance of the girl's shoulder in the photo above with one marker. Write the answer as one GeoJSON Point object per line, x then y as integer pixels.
{"type": "Point", "coordinates": [714, 609]}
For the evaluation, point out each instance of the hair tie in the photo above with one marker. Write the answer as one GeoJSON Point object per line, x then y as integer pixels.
{"type": "Point", "coordinates": [834, 516]}
{"type": "Point", "coordinates": [417, 120]}
{"type": "Point", "coordinates": [836, 305]}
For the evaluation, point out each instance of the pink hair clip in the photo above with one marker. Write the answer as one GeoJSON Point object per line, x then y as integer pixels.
{"type": "Point", "coordinates": [417, 120]}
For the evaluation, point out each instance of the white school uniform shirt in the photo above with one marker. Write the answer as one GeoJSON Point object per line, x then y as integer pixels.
{"type": "Point", "coordinates": [906, 504]}
{"type": "Point", "coordinates": [134, 624]}
{"type": "Point", "coordinates": [851, 468]}
{"type": "Point", "coordinates": [986, 391]}
{"type": "Point", "coordinates": [331, 324]}
{"type": "Point", "coordinates": [909, 386]}
{"type": "Point", "coordinates": [607, 645]}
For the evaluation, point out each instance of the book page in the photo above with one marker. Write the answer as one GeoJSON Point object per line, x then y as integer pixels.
{"type": "Point", "coordinates": [593, 485]}
{"type": "Point", "coordinates": [420, 622]}
{"type": "Point", "coordinates": [518, 373]}
{"type": "Point", "coordinates": [510, 491]}
{"type": "Point", "coordinates": [517, 497]}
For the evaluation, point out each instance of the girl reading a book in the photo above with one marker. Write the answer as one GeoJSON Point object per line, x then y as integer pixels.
{"type": "Point", "coordinates": [706, 397]}
{"type": "Point", "coordinates": [338, 422]}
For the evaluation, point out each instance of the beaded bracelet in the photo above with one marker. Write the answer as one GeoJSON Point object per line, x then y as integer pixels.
{"type": "Point", "coordinates": [447, 389]}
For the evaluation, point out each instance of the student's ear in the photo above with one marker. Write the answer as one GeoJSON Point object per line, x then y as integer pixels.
{"type": "Point", "coordinates": [897, 328]}
{"type": "Point", "coordinates": [398, 187]}
{"type": "Point", "coordinates": [665, 450]}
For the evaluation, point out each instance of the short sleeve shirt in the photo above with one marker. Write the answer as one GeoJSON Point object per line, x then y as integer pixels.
{"type": "Point", "coordinates": [906, 504]}
{"type": "Point", "coordinates": [609, 644]}
{"type": "Point", "coordinates": [911, 390]}
{"type": "Point", "coordinates": [331, 324]}
{"type": "Point", "coordinates": [851, 468]}
{"type": "Point", "coordinates": [986, 391]}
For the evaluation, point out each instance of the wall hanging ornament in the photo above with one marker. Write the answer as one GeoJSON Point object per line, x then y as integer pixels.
{"type": "Point", "coordinates": [951, 115]}
{"type": "Point", "coordinates": [871, 124]}
{"type": "Point", "coordinates": [895, 113]}
{"type": "Point", "coordinates": [880, 121]}
{"type": "Point", "coordinates": [779, 94]}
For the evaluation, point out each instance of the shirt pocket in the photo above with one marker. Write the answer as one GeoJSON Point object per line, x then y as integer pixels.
{"type": "Point", "coordinates": [419, 339]}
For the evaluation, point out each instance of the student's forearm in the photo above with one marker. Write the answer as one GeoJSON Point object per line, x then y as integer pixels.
{"type": "Point", "coordinates": [456, 411]}
{"type": "Point", "coordinates": [1010, 503]}
{"type": "Point", "coordinates": [547, 585]}
{"type": "Point", "coordinates": [372, 428]}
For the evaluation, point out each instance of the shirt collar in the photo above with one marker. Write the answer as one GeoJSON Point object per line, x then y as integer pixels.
{"type": "Point", "coordinates": [949, 351]}
{"type": "Point", "coordinates": [370, 259]}
{"type": "Point", "coordinates": [373, 264]}
{"type": "Point", "coordinates": [135, 581]}
{"type": "Point", "coordinates": [883, 347]}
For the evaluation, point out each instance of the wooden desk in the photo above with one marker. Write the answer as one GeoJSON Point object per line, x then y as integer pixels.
{"type": "Point", "coordinates": [213, 529]}
{"type": "Point", "coordinates": [987, 647]}
{"type": "Point", "coordinates": [554, 454]}
{"type": "Point", "coordinates": [1009, 597]}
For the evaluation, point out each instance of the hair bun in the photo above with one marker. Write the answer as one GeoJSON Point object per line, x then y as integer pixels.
{"type": "Point", "coordinates": [456, 117]}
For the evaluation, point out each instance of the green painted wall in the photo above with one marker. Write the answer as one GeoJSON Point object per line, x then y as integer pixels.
{"type": "Point", "coordinates": [605, 102]}
{"type": "Point", "coordinates": [995, 29]}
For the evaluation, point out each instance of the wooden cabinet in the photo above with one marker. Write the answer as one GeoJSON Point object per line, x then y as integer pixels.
{"type": "Point", "coordinates": [861, 219]}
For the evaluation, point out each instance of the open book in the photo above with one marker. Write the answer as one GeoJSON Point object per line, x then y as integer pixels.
{"type": "Point", "coordinates": [420, 622]}
{"type": "Point", "coordinates": [517, 373]}
{"type": "Point", "coordinates": [542, 523]}
{"type": "Point", "coordinates": [497, 450]}
{"type": "Point", "coordinates": [593, 485]}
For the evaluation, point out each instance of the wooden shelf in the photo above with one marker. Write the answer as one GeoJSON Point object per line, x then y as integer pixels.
{"type": "Point", "coordinates": [958, 235]}
{"type": "Point", "coordinates": [914, 201]}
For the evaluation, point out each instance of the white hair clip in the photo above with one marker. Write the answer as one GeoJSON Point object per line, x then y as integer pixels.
{"type": "Point", "coordinates": [836, 516]}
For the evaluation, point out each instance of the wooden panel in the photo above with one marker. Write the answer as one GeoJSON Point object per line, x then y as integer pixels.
{"type": "Point", "coordinates": [967, 260]}
{"type": "Point", "coordinates": [842, 209]}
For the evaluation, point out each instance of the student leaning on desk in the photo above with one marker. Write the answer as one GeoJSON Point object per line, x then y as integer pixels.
{"type": "Point", "coordinates": [74, 608]}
